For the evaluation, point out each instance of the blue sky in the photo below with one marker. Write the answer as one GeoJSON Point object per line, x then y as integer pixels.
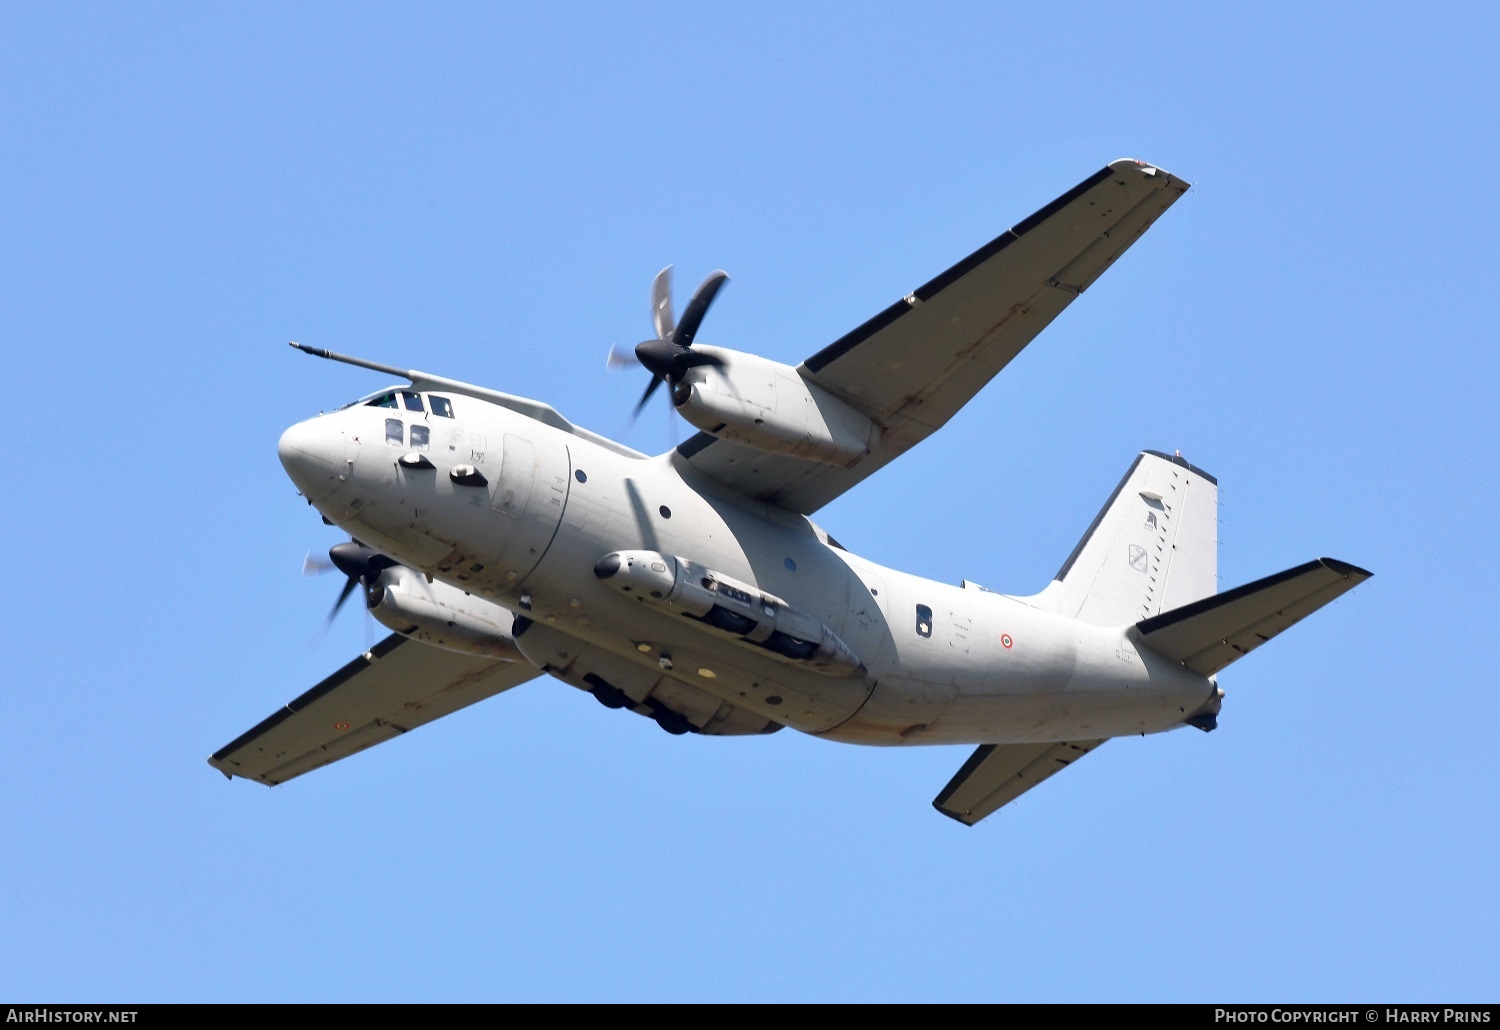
{"type": "Point", "coordinates": [485, 191]}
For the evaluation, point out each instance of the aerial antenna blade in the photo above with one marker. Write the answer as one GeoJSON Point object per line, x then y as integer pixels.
{"type": "Point", "coordinates": [692, 317]}
{"type": "Point", "coordinates": [661, 304]}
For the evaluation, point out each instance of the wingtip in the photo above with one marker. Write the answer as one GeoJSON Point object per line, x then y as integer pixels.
{"type": "Point", "coordinates": [1135, 164]}
{"type": "Point", "coordinates": [1343, 568]}
{"type": "Point", "coordinates": [951, 814]}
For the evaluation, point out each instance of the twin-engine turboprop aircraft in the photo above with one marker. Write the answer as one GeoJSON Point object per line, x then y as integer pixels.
{"type": "Point", "coordinates": [499, 541]}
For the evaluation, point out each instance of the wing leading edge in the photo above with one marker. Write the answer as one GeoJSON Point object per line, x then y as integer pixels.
{"type": "Point", "coordinates": [396, 686]}
{"type": "Point", "coordinates": [915, 364]}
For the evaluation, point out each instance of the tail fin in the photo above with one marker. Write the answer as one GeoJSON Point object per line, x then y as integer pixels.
{"type": "Point", "coordinates": [1153, 547]}
{"type": "Point", "coordinates": [1209, 634]}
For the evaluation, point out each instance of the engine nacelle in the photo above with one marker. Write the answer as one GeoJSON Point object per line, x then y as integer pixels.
{"type": "Point", "coordinates": [738, 610]}
{"type": "Point", "coordinates": [767, 405]}
{"type": "Point", "coordinates": [441, 615]}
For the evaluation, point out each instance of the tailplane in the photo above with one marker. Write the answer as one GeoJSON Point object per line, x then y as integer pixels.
{"type": "Point", "coordinates": [1207, 635]}
{"type": "Point", "coordinates": [1153, 547]}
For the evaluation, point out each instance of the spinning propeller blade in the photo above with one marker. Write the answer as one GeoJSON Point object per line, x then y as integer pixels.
{"type": "Point", "coordinates": [315, 566]}
{"type": "Point", "coordinates": [687, 329]}
{"type": "Point", "coordinates": [669, 356]}
{"type": "Point", "coordinates": [617, 359]}
{"type": "Point", "coordinates": [349, 585]}
{"type": "Point", "coordinates": [661, 304]}
{"type": "Point", "coordinates": [361, 565]}
{"type": "Point", "coordinates": [641, 404]}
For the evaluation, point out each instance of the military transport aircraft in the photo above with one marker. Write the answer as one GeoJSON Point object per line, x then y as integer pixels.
{"type": "Point", "coordinates": [499, 541]}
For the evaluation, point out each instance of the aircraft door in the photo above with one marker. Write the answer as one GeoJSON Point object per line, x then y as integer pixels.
{"type": "Point", "coordinates": [517, 476]}
{"type": "Point", "coordinates": [527, 503]}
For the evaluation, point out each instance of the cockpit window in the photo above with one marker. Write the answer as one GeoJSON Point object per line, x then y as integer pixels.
{"type": "Point", "coordinates": [441, 407]}
{"type": "Point", "coordinates": [413, 401]}
{"type": "Point", "coordinates": [385, 400]}
{"type": "Point", "coordinates": [393, 431]}
{"type": "Point", "coordinates": [419, 438]}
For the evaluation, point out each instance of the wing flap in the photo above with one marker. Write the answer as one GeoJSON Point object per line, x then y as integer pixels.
{"type": "Point", "coordinates": [346, 744]}
{"type": "Point", "coordinates": [396, 686]}
{"type": "Point", "coordinates": [1207, 635]}
{"type": "Point", "coordinates": [997, 774]}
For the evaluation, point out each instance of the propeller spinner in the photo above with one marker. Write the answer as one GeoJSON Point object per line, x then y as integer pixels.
{"type": "Point", "coordinates": [360, 563]}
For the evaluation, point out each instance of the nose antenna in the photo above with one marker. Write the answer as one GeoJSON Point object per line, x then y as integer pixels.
{"type": "Point", "coordinates": [319, 352]}
{"type": "Point", "coordinates": [544, 413]}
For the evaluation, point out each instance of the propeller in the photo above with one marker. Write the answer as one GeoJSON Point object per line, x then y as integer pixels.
{"type": "Point", "coordinates": [359, 563]}
{"type": "Point", "coordinates": [669, 357]}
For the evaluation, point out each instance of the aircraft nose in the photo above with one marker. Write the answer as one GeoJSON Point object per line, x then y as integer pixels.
{"type": "Point", "coordinates": [311, 452]}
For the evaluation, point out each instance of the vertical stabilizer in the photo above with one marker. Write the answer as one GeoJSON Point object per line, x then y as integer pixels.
{"type": "Point", "coordinates": [1154, 546]}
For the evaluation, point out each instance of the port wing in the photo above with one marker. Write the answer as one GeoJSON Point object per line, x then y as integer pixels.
{"type": "Point", "coordinates": [911, 367]}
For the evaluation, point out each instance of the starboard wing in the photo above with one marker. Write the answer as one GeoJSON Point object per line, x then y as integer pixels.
{"type": "Point", "coordinates": [396, 686]}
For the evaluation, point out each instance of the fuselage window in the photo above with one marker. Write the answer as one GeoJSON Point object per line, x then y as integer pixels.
{"type": "Point", "coordinates": [441, 407]}
{"type": "Point", "coordinates": [385, 400]}
{"type": "Point", "coordinates": [393, 431]}
{"type": "Point", "coordinates": [413, 401]}
{"type": "Point", "coordinates": [419, 437]}
{"type": "Point", "coordinates": [924, 621]}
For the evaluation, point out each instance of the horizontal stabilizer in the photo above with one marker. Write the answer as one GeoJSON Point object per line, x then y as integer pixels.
{"type": "Point", "coordinates": [999, 773]}
{"type": "Point", "coordinates": [1207, 635]}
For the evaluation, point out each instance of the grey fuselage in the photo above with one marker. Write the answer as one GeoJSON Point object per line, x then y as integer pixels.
{"type": "Point", "coordinates": [937, 664]}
